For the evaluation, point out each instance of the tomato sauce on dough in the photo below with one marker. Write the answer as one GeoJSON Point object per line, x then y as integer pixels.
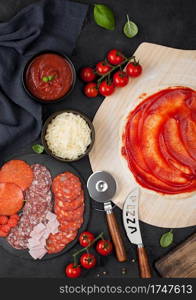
{"type": "Point", "coordinates": [159, 141]}
{"type": "Point", "coordinates": [49, 77]}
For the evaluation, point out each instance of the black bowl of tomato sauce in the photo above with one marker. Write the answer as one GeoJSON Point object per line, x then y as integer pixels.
{"type": "Point", "coordinates": [49, 77]}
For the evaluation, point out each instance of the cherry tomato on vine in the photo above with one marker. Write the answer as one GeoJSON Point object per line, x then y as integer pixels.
{"type": "Point", "coordinates": [87, 74]}
{"type": "Point", "coordinates": [103, 67]}
{"type": "Point", "coordinates": [72, 271]}
{"type": "Point", "coordinates": [91, 90]}
{"type": "Point", "coordinates": [106, 89]}
{"type": "Point", "coordinates": [115, 57]}
{"type": "Point", "coordinates": [104, 247]}
{"type": "Point", "coordinates": [88, 260]}
{"type": "Point", "coordinates": [86, 238]}
{"type": "Point", "coordinates": [120, 79]}
{"type": "Point", "coordinates": [133, 69]}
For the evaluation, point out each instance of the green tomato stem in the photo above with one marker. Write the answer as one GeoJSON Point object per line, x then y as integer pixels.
{"type": "Point", "coordinates": [100, 236]}
{"type": "Point", "coordinates": [75, 260]}
{"type": "Point", "coordinates": [128, 22]}
{"type": "Point", "coordinates": [115, 67]}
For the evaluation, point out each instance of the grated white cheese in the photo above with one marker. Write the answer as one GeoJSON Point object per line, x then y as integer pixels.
{"type": "Point", "coordinates": [68, 135]}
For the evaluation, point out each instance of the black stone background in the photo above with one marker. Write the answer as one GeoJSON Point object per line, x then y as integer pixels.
{"type": "Point", "coordinates": [165, 22]}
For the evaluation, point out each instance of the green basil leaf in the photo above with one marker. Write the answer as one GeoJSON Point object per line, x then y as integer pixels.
{"type": "Point", "coordinates": [166, 239]}
{"type": "Point", "coordinates": [38, 148]}
{"type": "Point", "coordinates": [45, 79]}
{"type": "Point", "coordinates": [51, 77]}
{"type": "Point", "coordinates": [104, 16]}
{"type": "Point", "coordinates": [130, 28]}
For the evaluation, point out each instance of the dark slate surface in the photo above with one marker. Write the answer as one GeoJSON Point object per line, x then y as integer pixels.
{"type": "Point", "coordinates": [166, 22]}
{"type": "Point", "coordinates": [21, 38]}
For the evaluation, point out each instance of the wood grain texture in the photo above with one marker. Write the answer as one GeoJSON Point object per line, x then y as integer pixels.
{"type": "Point", "coordinates": [162, 67]}
{"type": "Point", "coordinates": [116, 237]}
{"type": "Point", "coordinates": [144, 265]}
{"type": "Point", "coordinates": [180, 262]}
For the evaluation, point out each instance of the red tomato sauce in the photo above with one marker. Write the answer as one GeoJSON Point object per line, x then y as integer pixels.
{"type": "Point", "coordinates": [159, 141]}
{"type": "Point", "coordinates": [53, 66]}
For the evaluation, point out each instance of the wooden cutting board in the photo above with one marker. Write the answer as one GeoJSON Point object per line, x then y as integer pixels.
{"type": "Point", "coordinates": [162, 67]}
{"type": "Point", "coordinates": [180, 262]}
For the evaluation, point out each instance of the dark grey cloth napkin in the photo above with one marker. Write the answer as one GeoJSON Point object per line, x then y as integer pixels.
{"type": "Point", "coordinates": [45, 25]}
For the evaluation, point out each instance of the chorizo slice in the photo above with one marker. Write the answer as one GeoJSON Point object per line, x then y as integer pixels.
{"type": "Point", "coordinates": [11, 199]}
{"type": "Point", "coordinates": [57, 242]}
{"type": "Point", "coordinates": [18, 172]}
{"type": "Point", "coordinates": [70, 205]}
{"type": "Point", "coordinates": [71, 225]}
{"type": "Point", "coordinates": [66, 186]}
{"type": "Point", "coordinates": [70, 215]}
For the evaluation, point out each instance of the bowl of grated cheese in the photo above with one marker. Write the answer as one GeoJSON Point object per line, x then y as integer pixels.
{"type": "Point", "coordinates": [68, 135]}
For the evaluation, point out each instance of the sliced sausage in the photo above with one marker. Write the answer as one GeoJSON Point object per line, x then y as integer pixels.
{"type": "Point", "coordinates": [38, 201]}
{"type": "Point", "coordinates": [57, 242]}
{"type": "Point", "coordinates": [70, 205]}
{"type": "Point", "coordinates": [70, 215]}
{"type": "Point", "coordinates": [17, 172]}
{"type": "Point", "coordinates": [11, 199]}
{"type": "Point", "coordinates": [42, 179]}
{"type": "Point", "coordinates": [66, 186]}
{"type": "Point", "coordinates": [71, 225]}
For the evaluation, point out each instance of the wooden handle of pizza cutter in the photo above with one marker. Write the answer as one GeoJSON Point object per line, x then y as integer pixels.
{"type": "Point", "coordinates": [144, 265]}
{"type": "Point", "coordinates": [116, 237]}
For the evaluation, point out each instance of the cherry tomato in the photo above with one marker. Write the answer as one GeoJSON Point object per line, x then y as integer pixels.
{"type": "Point", "coordinates": [3, 220]}
{"type": "Point", "coordinates": [106, 89]}
{"type": "Point", "coordinates": [103, 67]}
{"type": "Point", "coordinates": [91, 90]}
{"type": "Point", "coordinates": [120, 79]}
{"type": "Point", "coordinates": [72, 271]}
{"type": "Point", "coordinates": [104, 247]}
{"type": "Point", "coordinates": [3, 233]}
{"type": "Point", "coordinates": [133, 69]}
{"type": "Point", "coordinates": [88, 261]}
{"type": "Point", "coordinates": [12, 222]}
{"type": "Point", "coordinates": [86, 238]}
{"type": "Point", "coordinates": [15, 217]}
{"type": "Point", "coordinates": [115, 57]}
{"type": "Point", "coordinates": [6, 228]}
{"type": "Point", "coordinates": [87, 74]}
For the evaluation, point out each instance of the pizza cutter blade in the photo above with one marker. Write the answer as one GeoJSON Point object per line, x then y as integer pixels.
{"type": "Point", "coordinates": [102, 188]}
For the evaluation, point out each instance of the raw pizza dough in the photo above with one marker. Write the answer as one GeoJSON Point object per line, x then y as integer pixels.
{"type": "Point", "coordinates": [134, 104]}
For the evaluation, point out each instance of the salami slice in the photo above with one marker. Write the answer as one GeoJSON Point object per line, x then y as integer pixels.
{"type": "Point", "coordinates": [69, 208]}
{"type": "Point", "coordinates": [17, 172]}
{"type": "Point", "coordinates": [38, 199]}
{"type": "Point", "coordinates": [57, 242]}
{"type": "Point", "coordinates": [42, 179]}
{"type": "Point", "coordinates": [13, 239]}
{"type": "Point", "coordinates": [66, 186]}
{"type": "Point", "coordinates": [55, 248]}
{"type": "Point", "coordinates": [70, 215]}
{"type": "Point", "coordinates": [70, 205]}
{"type": "Point", "coordinates": [71, 225]}
{"type": "Point", "coordinates": [37, 204]}
{"type": "Point", "coordinates": [59, 212]}
{"type": "Point", "coordinates": [11, 199]}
